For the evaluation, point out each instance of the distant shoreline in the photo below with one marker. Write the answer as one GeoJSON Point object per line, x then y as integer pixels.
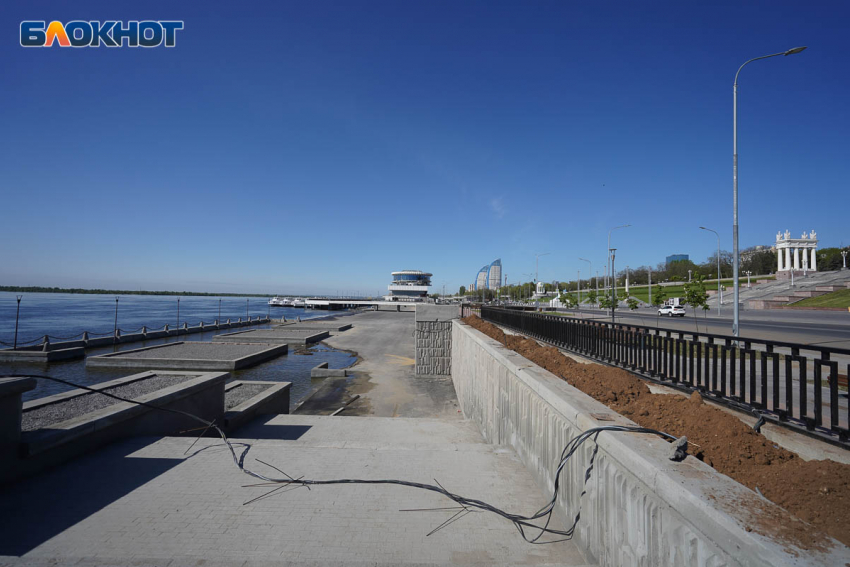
{"type": "Point", "coordinates": [39, 289]}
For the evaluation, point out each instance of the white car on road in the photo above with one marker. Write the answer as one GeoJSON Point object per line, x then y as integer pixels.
{"type": "Point", "coordinates": [672, 310]}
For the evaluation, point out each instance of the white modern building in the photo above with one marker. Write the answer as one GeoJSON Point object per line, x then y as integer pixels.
{"type": "Point", "coordinates": [409, 285]}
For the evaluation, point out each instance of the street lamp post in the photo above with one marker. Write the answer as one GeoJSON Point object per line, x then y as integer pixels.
{"type": "Point", "coordinates": [115, 325]}
{"type": "Point", "coordinates": [719, 287]}
{"type": "Point", "coordinates": [748, 278]}
{"type": "Point", "coordinates": [578, 287]}
{"type": "Point", "coordinates": [608, 261]}
{"type": "Point", "coordinates": [17, 315]}
{"type": "Point", "coordinates": [843, 260]}
{"type": "Point", "coordinates": [597, 288]}
{"type": "Point", "coordinates": [649, 287]}
{"type": "Point", "coordinates": [591, 272]}
{"type": "Point", "coordinates": [611, 253]}
{"type": "Point", "coordinates": [735, 282]}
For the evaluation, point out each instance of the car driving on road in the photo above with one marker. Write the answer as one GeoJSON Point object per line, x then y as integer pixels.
{"type": "Point", "coordinates": [672, 310]}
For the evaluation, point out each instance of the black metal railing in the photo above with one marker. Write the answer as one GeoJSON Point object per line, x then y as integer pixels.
{"type": "Point", "coordinates": [792, 384]}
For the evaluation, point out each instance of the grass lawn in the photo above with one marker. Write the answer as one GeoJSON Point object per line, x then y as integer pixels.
{"type": "Point", "coordinates": [840, 298]}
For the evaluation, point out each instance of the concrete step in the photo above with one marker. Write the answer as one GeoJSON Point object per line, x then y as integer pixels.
{"type": "Point", "coordinates": [765, 304]}
{"type": "Point", "coordinates": [809, 293]}
{"type": "Point", "coordinates": [829, 288]}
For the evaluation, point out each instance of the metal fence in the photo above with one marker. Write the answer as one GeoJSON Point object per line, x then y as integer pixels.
{"type": "Point", "coordinates": [792, 384]}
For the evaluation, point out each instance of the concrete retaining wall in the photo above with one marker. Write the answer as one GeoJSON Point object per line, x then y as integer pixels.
{"type": "Point", "coordinates": [433, 334]}
{"type": "Point", "coordinates": [640, 509]}
{"type": "Point", "coordinates": [274, 400]}
{"type": "Point", "coordinates": [39, 450]}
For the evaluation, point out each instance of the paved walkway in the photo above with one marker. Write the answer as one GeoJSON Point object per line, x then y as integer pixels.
{"type": "Point", "coordinates": [384, 376]}
{"type": "Point", "coordinates": [143, 502]}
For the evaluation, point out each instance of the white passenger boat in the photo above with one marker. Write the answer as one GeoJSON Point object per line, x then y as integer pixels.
{"type": "Point", "coordinates": [298, 302]}
{"type": "Point", "coordinates": [280, 302]}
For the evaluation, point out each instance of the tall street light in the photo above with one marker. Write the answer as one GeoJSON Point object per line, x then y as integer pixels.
{"type": "Point", "coordinates": [735, 282]}
{"type": "Point", "coordinates": [610, 264]}
{"type": "Point", "coordinates": [590, 277]}
{"type": "Point", "coordinates": [609, 250]}
{"type": "Point", "coordinates": [611, 253]}
{"type": "Point", "coordinates": [719, 288]}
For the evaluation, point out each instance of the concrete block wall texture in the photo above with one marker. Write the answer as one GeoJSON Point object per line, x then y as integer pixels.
{"type": "Point", "coordinates": [433, 337]}
{"type": "Point", "coordinates": [640, 509]}
{"type": "Point", "coordinates": [433, 347]}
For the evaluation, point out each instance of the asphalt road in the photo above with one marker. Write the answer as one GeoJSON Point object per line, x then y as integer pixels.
{"type": "Point", "coordinates": [822, 328]}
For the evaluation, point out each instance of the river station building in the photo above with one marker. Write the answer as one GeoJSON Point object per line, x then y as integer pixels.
{"type": "Point", "coordinates": [409, 285]}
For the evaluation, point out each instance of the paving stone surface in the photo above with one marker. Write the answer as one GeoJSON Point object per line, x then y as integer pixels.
{"type": "Point", "coordinates": [144, 502]}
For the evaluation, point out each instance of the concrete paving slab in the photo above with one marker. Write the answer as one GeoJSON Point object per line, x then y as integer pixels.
{"type": "Point", "coordinates": [274, 336]}
{"type": "Point", "coordinates": [191, 356]}
{"type": "Point", "coordinates": [384, 375]}
{"type": "Point", "coordinates": [159, 506]}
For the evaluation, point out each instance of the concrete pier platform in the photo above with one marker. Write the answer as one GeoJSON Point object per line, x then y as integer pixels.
{"type": "Point", "coordinates": [191, 356]}
{"type": "Point", "coordinates": [158, 506]}
{"type": "Point", "coordinates": [274, 336]}
{"type": "Point", "coordinates": [332, 326]}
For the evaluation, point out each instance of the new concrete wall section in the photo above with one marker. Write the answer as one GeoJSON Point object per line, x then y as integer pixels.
{"type": "Point", "coordinates": [433, 333]}
{"type": "Point", "coordinates": [640, 509]}
{"type": "Point", "coordinates": [273, 400]}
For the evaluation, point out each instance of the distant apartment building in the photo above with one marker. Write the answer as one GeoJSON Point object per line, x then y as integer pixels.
{"type": "Point", "coordinates": [676, 258]}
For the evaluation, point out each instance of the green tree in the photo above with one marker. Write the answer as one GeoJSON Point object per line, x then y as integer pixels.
{"type": "Point", "coordinates": [695, 296]}
{"type": "Point", "coordinates": [462, 290]}
{"type": "Point", "coordinates": [568, 300]}
{"type": "Point", "coordinates": [592, 296]}
{"type": "Point", "coordinates": [632, 303]}
{"type": "Point", "coordinates": [605, 302]}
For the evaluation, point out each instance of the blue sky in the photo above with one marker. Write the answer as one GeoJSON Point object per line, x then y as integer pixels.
{"type": "Point", "coordinates": [300, 147]}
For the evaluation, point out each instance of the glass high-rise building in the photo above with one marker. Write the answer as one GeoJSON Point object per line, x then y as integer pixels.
{"type": "Point", "coordinates": [489, 277]}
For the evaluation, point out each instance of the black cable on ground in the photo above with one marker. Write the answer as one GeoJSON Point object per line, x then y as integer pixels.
{"type": "Point", "coordinates": [530, 531]}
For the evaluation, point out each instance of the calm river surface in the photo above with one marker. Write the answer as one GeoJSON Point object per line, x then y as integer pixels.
{"type": "Point", "coordinates": [62, 316]}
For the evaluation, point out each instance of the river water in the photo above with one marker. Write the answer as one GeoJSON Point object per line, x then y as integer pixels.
{"type": "Point", "coordinates": [63, 316]}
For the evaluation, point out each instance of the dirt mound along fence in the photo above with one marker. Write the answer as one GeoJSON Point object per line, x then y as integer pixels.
{"type": "Point", "coordinates": [795, 385]}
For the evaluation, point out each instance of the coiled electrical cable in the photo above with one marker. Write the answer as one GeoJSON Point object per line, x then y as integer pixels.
{"type": "Point", "coordinates": [532, 528]}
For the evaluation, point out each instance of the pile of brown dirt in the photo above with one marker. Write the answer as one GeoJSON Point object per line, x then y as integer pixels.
{"type": "Point", "coordinates": [815, 491]}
